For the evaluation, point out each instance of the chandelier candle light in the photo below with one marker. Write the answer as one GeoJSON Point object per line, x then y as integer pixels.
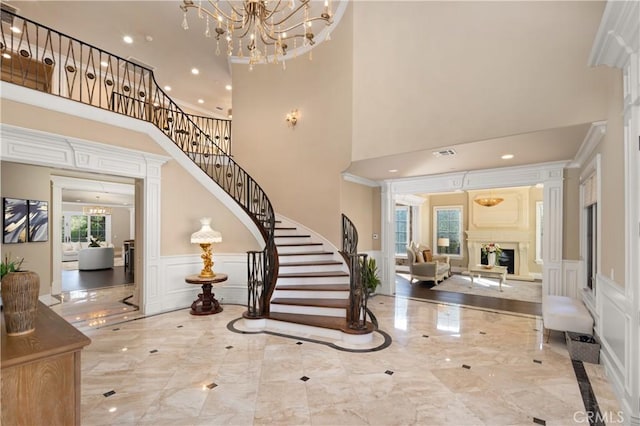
{"type": "Point", "coordinates": [266, 29]}
{"type": "Point", "coordinates": [205, 237]}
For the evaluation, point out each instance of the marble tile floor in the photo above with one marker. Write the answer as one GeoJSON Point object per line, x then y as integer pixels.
{"type": "Point", "coordinates": [446, 365]}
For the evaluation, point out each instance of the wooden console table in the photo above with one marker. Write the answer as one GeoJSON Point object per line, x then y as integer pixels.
{"type": "Point", "coordinates": [41, 373]}
{"type": "Point", "coordinates": [206, 303]}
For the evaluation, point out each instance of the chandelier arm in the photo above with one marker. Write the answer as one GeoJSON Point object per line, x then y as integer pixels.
{"type": "Point", "coordinates": [271, 12]}
{"type": "Point", "coordinates": [303, 3]}
{"type": "Point", "coordinates": [211, 14]}
{"type": "Point", "coordinates": [319, 18]}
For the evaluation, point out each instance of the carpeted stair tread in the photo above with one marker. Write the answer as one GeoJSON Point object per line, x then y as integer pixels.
{"type": "Point", "coordinates": [320, 303]}
{"type": "Point", "coordinates": [314, 274]}
{"type": "Point", "coordinates": [314, 287]}
{"type": "Point", "coordinates": [333, 323]}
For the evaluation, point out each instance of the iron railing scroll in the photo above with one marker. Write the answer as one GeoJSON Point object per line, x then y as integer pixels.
{"type": "Point", "coordinates": [40, 58]}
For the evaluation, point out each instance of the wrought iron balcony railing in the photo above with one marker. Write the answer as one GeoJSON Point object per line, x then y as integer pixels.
{"type": "Point", "coordinates": [40, 58]}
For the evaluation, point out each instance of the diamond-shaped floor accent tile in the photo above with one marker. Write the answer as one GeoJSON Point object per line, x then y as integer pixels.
{"type": "Point", "coordinates": [468, 367]}
{"type": "Point", "coordinates": [298, 343]}
{"type": "Point", "coordinates": [304, 378]}
{"type": "Point", "coordinates": [229, 347]}
{"type": "Point", "coordinates": [211, 385]}
{"type": "Point", "coordinates": [108, 394]}
{"type": "Point", "coordinates": [425, 335]}
{"type": "Point", "coordinates": [539, 421]}
{"type": "Point", "coordinates": [482, 332]}
{"type": "Point", "coordinates": [389, 372]}
{"type": "Point", "coordinates": [537, 361]}
{"type": "Point", "coordinates": [153, 351]}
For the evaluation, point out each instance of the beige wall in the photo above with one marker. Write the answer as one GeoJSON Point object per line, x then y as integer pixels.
{"type": "Point", "coordinates": [498, 64]}
{"type": "Point", "coordinates": [26, 182]}
{"type": "Point", "coordinates": [571, 215]}
{"type": "Point", "coordinates": [361, 204]}
{"type": "Point", "coordinates": [612, 184]}
{"type": "Point", "coordinates": [299, 168]}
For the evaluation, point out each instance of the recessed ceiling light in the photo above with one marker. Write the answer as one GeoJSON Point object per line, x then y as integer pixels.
{"type": "Point", "coordinates": [104, 63]}
{"type": "Point", "coordinates": [507, 157]}
{"type": "Point", "coordinates": [6, 56]}
{"type": "Point", "coordinates": [393, 170]}
{"type": "Point", "coordinates": [200, 101]}
{"type": "Point", "coordinates": [228, 87]}
{"type": "Point", "coordinates": [167, 88]}
{"type": "Point", "coordinates": [15, 30]}
{"type": "Point", "coordinates": [127, 39]}
{"type": "Point", "coordinates": [195, 71]}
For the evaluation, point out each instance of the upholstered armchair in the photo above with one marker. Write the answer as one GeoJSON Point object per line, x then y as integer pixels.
{"type": "Point", "coordinates": [436, 270]}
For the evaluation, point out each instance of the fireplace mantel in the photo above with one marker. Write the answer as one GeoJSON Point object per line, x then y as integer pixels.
{"type": "Point", "coordinates": [518, 241]}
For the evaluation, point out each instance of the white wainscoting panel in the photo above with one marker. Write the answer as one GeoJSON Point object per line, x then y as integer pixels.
{"type": "Point", "coordinates": [615, 330]}
{"type": "Point", "coordinates": [177, 294]}
{"type": "Point", "coordinates": [571, 278]}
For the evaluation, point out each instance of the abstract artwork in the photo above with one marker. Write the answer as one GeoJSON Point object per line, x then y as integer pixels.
{"type": "Point", "coordinates": [38, 221]}
{"type": "Point", "coordinates": [15, 221]}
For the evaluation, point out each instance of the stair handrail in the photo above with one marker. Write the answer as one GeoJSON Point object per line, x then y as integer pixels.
{"type": "Point", "coordinates": [95, 77]}
{"type": "Point", "coordinates": [358, 297]}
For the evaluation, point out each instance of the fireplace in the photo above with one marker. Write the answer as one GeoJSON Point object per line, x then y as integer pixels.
{"type": "Point", "coordinates": [514, 245]}
{"type": "Point", "coordinates": [507, 258]}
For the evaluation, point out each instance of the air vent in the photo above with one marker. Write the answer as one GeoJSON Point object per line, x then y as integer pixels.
{"type": "Point", "coordinates": [7, 17]}
{"type": "Point", "coordinates": [444, 153]}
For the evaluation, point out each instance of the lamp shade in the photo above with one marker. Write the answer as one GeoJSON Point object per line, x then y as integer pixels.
{"type": "Point", "coordinates": [206, 235]}
{"type": "Point", "coordinates": [443, 242]}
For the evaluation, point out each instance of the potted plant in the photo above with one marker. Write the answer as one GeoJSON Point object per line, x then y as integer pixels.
{"type": "Point", "coordinates": [20, 291]}
{"type": "Point", "coordinates": [369, 271]}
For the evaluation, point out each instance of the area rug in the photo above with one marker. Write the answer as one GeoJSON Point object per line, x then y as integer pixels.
{"type": "Point", "coordinates": [527, 291]}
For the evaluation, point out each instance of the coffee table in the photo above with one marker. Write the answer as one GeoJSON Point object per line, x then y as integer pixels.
{"type": "Point", "coordinates": [499, 272]}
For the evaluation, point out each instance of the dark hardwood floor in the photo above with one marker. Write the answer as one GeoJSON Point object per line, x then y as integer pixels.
{"type": "Point", "coordinates": [91, 280]}
{"type": "Point", "coordinates": [422, 290]}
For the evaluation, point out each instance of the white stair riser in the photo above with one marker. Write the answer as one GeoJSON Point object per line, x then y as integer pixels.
{"type": "Point", "coordinates": [307, 294]}
{"type": "Point", "coordinates": [304, 258]}
{"type": "Point", "coordinates": [313, 280]}
{"type": "Point", "coordinates": [311, 268]}
{"type": "Point", "coordinates": [281, 232]}
{"type": "Point", "coordinates": [299, 249]}
{"type": "Point", "coordinates": [292, 240]}
{"type": "Point", "coordinates": [309, 310]}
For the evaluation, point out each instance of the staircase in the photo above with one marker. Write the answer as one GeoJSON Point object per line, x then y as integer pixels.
{"type": "Point", "coordinates": [299, 279]}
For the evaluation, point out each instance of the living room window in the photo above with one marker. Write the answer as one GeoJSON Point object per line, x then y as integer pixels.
{"type": "Point", "coordinates": [78, 228]}
{"type": "Point", "coordinates": [447, 224]}
{"type": "Point", "coordinates": [403, 229]}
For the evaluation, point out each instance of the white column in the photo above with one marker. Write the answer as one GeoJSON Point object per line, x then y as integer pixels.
{"type": "Point", "coordinates": [388, 240]}
{"type": "Point", "coordinates": [56, 239]}
{"type": "Point", "coordinates": [151, 231]}
{"type": "Point", "coordinates": [552, 235]}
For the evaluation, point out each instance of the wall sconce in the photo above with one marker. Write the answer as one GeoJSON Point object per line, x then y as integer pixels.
{"type": "Point", "coordinates": [292, 118]}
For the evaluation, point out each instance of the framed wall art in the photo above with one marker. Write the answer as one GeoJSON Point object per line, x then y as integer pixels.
{"type": "Point", "coordinates": [38, 221]}
{"type": "Point", "coordinates": [15, 220]}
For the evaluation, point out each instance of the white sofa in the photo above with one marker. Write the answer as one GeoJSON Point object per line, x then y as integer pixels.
{"type": "Point", "coordinates": [95, 258]}
{"type": "Point", "coordinates": [70, 250]}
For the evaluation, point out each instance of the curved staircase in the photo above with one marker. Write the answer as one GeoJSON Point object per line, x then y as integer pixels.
{"type": "Point", "coordinates": [299, 278]}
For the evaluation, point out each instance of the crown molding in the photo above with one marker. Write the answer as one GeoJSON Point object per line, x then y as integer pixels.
{"type": "Point", "coordinates": [360, 180]}
{"type": "Point", "coordinates": [595, 134]}
{"type": "Point", "coordinates": [618, 35]}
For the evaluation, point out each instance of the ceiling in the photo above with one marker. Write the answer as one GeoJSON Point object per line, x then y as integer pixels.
{"type": "Point", "coordinates": [161, 42]}
{"type": "Point", "coordinates": [97, 198]}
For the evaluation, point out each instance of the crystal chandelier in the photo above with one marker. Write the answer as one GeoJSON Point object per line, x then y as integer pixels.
{"type": "Point", "coordinates": [262, 31]}
{"type": "Point", "coordinates": [96, 211]}
{"type": "Point", "coordinates": [488, 201]}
